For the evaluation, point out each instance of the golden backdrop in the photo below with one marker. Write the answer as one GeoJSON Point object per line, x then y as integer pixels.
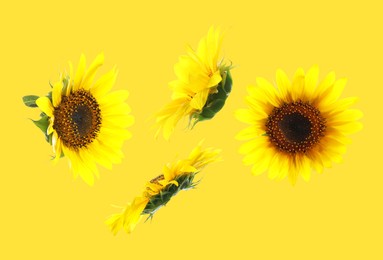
{"type": "Point", "coordinates": [46, 214]}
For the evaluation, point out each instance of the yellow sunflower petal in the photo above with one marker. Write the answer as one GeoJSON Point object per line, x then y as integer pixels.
{"type": "Point", "coordinates": [130, 216]}
{"type": "Point", "coordinates": [284, 84]}
{"type": "Point", "coordinates": [249, 133]}
{"type": "Point", "coordinates": [305, 168]}
{"type": "Point", "coordinates": [80, 167]}
{"type": "Point", "coordinates": [56, 93]}
{"type": "Point", "coordinates": [298, 85]}
{"type": "Point", "coordinates": [332, 93]}
{"type": "Point", "coordinates": [118, 121]}
{"type": "Point", "coordinates": [311, 81]}
{"type": "Point", "coordinates": [188, 168]}
{"type": "Point", "coordinates": [50, 129]}
{"type": "Point", "coordinates": [350, 128]}
{"type": "Point", "coordinates": [254, 156]}
{"type": "Point", "coordinates": [111, 150]}
{"type": "Point", "coordinates": [45, 105]}
{"type": "Point", "coordinates": [283, 167]}
{"type": "Point", "coordinates": [104, 84]}
{"type": "Point", "coordinates": [115, 97]}
{"type": "Point", "coordinates": [349, 115]}
{"type": "Point", "coordinates": [88, 159]}
{"type": "Point", "coordinates": [80, 73]}
{"type": "Point", "coordinates": [316, 162]}
{"type": "Point", "coordinates": [276, 166]}
{"type": "Point", "coordinates": [267, 91]}
{"type": "Point", "coordinates": [258, 107]}
{"type": "Point", "coordinates": [338, 106]}
{"type": "Point", "coordinates": [199, 100]}
{"type": "Point", "coordinates": [134, 214]}
{"type": "Point", "coordinates": [91, 72]}
{"type": "Point", "coordinates": [100, 156]}
{"type": "Point", "coordinates": [115, 222]}
{"type": "Point", "coordinates": [257, 143]}
{"type": "Point", "coordinates": [57, 147]}
{"type": "Point", "coordinates": [215, 79]}
{"type": "Point", "coordinates": [261, 166]}
{"type": "Point", "coordinates": [170, 115]}
{"type": "Point", "coordinates": [247, 116]}
{"type": "Point", "coordinates": [172, 182]}
{"type": "Point", "coordinates": [334, 144]}
{"type": "Point", "coordinates": [73, 164]}
{"type": "Point", "coordinates": [326, 83]}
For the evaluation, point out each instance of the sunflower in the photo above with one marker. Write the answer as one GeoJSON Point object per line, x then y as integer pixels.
{"type": "Point", "coordinates": [158, 192]}
{"type": "Point", "coordinates": [83, 121]}
{"type": "Point", "coordinates": [203, 85]}
{"type": "Point", "coordinates": [297, 127]}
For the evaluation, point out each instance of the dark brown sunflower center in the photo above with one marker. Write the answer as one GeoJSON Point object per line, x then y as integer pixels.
{"type": "Point", "coordinates": [77, 119]}
{"type": "Point", "coordinates": [295, 127]}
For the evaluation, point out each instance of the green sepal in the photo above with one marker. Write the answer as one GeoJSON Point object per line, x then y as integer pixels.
{"type": "Point", "coordinates": [49, 95]}
{"type": "Point", "coordinates": [184, 181]}
{"type": "Point", "coordinates": [30, 100]}
{"type": "Point", "coordinates": [43, 124]}
{"type": "Point", "coordinates": [65, 82]}
{"type": "Point", "coordinates": [228, 83]}
{"type": "Point", "coordinates": [209, 112]}
{"type": "Point", "coordinates": [215, 101]}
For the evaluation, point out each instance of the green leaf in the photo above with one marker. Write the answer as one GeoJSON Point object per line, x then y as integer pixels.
{"type": "Point", "coordinates": [30, 101]}
{"type": "Point", "coordinates": [228, 83]}
{"type": "Point", "coordinates": [49, 95]}
{"type": "Point", "coordinates": [217, 105]}
{"type": "Point", "coordinates": [43, 124]}
{"type": "Point", "coordinates": [208, 113]}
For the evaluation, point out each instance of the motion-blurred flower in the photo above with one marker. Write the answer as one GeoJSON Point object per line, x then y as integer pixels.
{"type": "Point", "coordinates": [175, 177]}
{"type": "Point", "coordinates": [203, 84]}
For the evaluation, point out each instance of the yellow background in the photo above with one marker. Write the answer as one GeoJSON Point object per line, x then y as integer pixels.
{"type": "Point", "coordinates": [45, 214]}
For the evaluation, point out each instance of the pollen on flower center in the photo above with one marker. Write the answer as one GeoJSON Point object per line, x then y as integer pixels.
{"type": "Point", "coordinates": [77, 119]}
{"type": "Point", "coordinates": [295, 127]}
{"type": "Point", "coordinates": [157, 179]}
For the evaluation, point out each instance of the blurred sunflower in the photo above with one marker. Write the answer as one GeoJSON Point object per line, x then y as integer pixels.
{"type": "Point", "coordinates": [83, 121]}
{"type": "Point", "coordinates": [158, 192]}
{"type": "Point", "coordinates": [203, 85]}
{"type": "Point", "coordinates": [300, 126]}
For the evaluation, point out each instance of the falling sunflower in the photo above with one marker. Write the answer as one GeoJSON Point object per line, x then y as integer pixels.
{"type": "Point", "coordinates": [203, 85]}
{"type": "Point", "coordinates": [301, 126]}
{"type": "Point", "coordinates": [158, 192]}
{"type": "Point", "coordinates": [83, 121]}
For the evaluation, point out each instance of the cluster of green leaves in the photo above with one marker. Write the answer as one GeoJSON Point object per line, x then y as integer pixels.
{"type": "Point", "coordinates": [215, 101]}
{"type": "Point", "coordinates": [184, 181]}
{"type": "Point", "coordinates": [43, 122]}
